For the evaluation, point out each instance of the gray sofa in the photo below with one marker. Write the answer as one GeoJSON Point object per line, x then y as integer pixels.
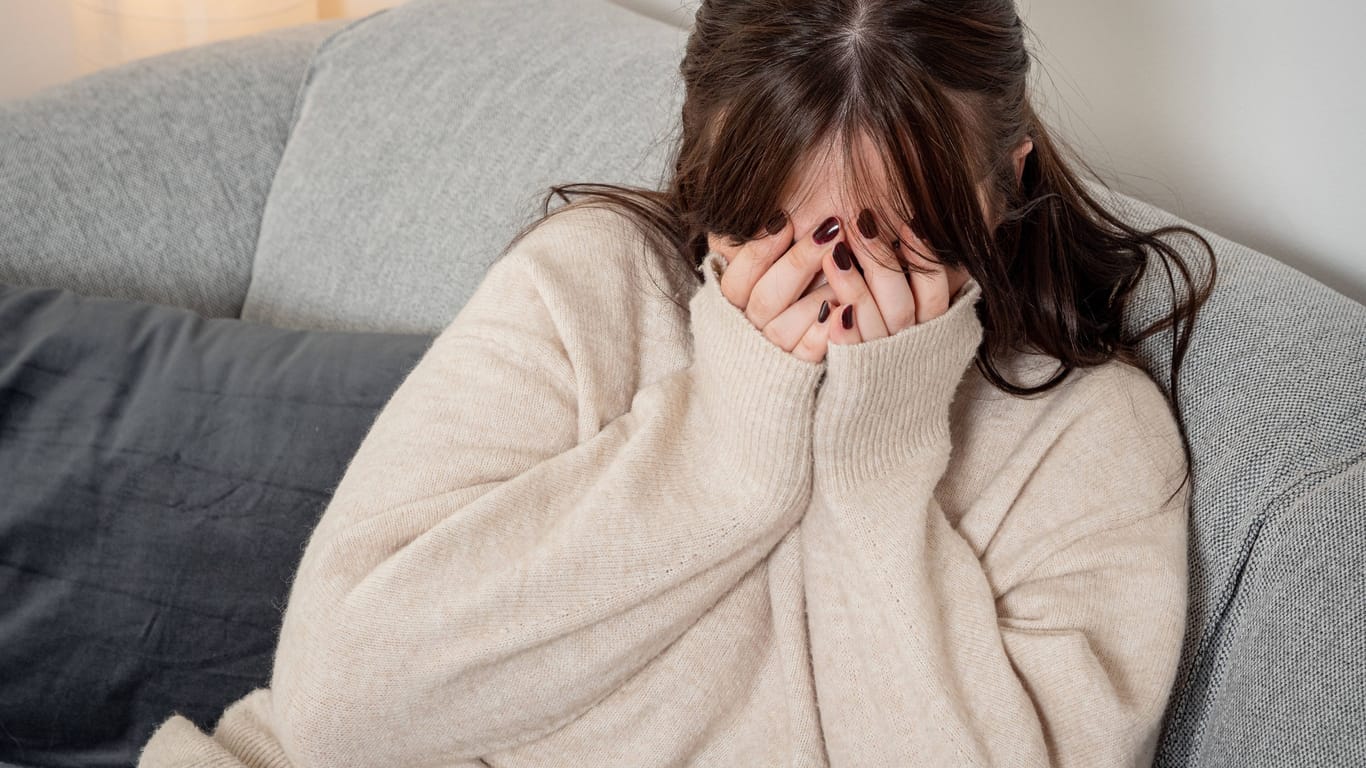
{"type": "Point", "coordinates": [356, 178]}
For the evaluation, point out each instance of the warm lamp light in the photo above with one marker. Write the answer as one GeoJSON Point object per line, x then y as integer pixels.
{"type": "Point", "coordinates": [111, 32]}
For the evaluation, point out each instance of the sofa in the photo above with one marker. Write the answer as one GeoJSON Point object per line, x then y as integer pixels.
{"type": "Point", "coordinates": [216, 264]}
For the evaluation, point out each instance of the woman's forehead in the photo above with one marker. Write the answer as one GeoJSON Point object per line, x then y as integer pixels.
{"type": "Point", "coordinates": [824, 181]}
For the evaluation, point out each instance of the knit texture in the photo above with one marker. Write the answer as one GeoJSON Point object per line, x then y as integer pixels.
{"type": "Point", "coordinates": [595, 527]}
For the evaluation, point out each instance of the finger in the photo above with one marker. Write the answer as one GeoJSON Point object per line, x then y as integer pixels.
{"type": "Point", "coordinates": [844, 326]}
{"type": "Point", "coordinates": [816, 340]}
{"type": "Point", "coordinates": [817, 281]}
{"type": "Point", "coordinates": [891, 288]}
{"type": "Point", "coordinates": [722, 246]}
{"type": "Point", "coordinates": [787, 329]}
{"type": "Point", "coordinates": [931, 289]}
{"type": "Point", "coordinates": [851, 290]}
{"type": "Point", "coordinates": [790, 275]}
{"type": "Point", "coordinates": [747, 263]}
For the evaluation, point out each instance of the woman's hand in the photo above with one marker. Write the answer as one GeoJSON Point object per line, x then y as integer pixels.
{"type": "Point", "coordinates": [880, 301]}
{"type": "Point", "coordinates": [768, 277]}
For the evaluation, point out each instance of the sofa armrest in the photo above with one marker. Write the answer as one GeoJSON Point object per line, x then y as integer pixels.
{"type": "Point", "coordinates": [147, 181]}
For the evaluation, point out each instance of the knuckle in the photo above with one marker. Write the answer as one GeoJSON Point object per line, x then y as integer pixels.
{"type": "Point", "coordinates": [928, 309]}
{"type": "Point", "coordinates": [902, 317]}
{"type": "Point", "coordinates": [720, 245]}
{"type": "Point", "coordinates": [731, 297]}
{"type": "Point", "coordinates": [761, 308]}
{"type": "Point", "coordinates": [728, 289]}
{"type": "Point", "coordinates": [772, 333]}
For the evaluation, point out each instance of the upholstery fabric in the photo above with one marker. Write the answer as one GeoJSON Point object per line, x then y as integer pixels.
{"type": "Point", "coordinates": [147, 181]}
{"type": "Point", "coordinates": [161, 472]}
{"type": "Point", "coordinates": [429, 133]}
{"type": "Point", "coordinates": [1273, 670]}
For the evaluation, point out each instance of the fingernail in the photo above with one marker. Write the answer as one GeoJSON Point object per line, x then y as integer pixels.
{"type": "Point", "coordinates": [776, 224]}
{"type": "Point", "coordinates": [843, 256]}
{"type": "Point", "coordinates": [824, 313]}
{"type": "Point", "coordinates": [826, 231]}
{"type": "Point", "coordinates": [866, 225]}
{"type": "Point", "coordinates": [847, 318]}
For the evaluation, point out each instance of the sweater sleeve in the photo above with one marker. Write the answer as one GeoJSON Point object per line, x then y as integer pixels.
{"type": "Point", "coordinates": [479, 579]}
{"type": "Point", "coordinates": [921, 655]}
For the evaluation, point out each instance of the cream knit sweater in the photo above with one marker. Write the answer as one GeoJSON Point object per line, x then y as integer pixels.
{"type": "Point", "coordinates": [593, 529]}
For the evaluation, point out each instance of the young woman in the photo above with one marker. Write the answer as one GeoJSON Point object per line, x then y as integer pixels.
{"type": "Point", "coordinates": [884, 485]}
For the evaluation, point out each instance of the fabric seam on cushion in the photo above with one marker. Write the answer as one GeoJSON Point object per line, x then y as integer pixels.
{"type": "Point", "coordinates": [313, 64]}
{"type": "Point", "coordinates": [299, 95]}
{"type": "Point", "coordinates": [1229, 593]}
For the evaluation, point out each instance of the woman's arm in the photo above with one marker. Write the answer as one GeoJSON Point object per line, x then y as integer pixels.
{"type": "Point", "coordinates": [480, 578]}
{"type": "Point", "coordinates": [920, 654]}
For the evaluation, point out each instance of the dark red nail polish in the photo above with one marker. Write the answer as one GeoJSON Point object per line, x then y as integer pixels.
{"type": "Point", "coordinates": [844, 256]}
{"type": "Point", "coordinates": [776, 224]}
{"type": "Point", "coordinates": [824, 313]}
{"type": "Point", "coordinates": [847, 319]}
{"type": "Point", "coordinates": [866, 225]}
{"type": "Point", "coordinates": [826, 231]}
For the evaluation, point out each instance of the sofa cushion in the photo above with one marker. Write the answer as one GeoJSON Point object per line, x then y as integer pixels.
{"type": "Point", "coordinates": [160, 474]}
{"type": "Point", "coordinates": [147, 181]}
{"type": "Point", "coordinates": [428, 133]}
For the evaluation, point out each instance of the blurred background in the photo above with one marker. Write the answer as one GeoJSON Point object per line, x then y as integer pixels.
{"type": "Point", "coordinates": [1243, 117]}
{"type": "Point", "coordinates": [44, 42]}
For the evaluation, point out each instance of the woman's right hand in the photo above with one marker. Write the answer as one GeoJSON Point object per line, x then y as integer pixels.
{"type": "Point", "coordinates": [768, 277]}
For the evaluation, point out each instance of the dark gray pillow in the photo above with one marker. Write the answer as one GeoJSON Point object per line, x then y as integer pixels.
{"type": "Point", "coordinates": [160, 473]}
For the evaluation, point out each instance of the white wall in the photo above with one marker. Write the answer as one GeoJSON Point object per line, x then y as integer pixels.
{"type": "Point", "coordinates": [1245, 117]}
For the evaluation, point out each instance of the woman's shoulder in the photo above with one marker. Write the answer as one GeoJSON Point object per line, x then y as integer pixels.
{"type": "Point", "coordinates": [599, 250]}
{"type": "Point", "coordinates": [1103, 442]}
{"type": "Point", "coordinates": [1114, 406]}
{"type": "Point", "coordinates": [604, 292]}
{"type": "Point", "coordinates": [1141, 411]}
{"type": "Point", "coordinates": [1113, 381]}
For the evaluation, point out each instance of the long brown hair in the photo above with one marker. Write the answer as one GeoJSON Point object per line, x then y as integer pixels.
{"type": "Point", "coordinates": [941, 88]}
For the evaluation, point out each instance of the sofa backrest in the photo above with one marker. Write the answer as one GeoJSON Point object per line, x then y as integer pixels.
{"type": "Point", "coordinates": [427, 135]}
{"type": "Point", "coordinates": [147, 181]}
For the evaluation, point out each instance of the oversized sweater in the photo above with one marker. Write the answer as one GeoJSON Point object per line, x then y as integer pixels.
{"type": "Point", "coordinates": [594, 527]}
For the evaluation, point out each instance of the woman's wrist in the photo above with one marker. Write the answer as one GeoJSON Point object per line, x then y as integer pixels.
{"type": "Point", "coordinates": [885, 401]}
{"type": "Point", "coordinates": [756, 399]}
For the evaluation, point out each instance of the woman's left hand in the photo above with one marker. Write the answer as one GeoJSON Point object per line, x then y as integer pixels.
{"type": "Point", "coordinates": [883, 301]}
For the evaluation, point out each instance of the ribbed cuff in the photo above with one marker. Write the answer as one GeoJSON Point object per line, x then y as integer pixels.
{"type": "Point", "coordinates": [886, 400]}
{"type": "Point", "coordinates": [243, 738]}
{"type": "Point", "coordinates": [758, 400]}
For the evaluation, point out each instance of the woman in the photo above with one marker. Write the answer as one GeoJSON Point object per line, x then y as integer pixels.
{"type": "Point", "coordinates": [624, 515]}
